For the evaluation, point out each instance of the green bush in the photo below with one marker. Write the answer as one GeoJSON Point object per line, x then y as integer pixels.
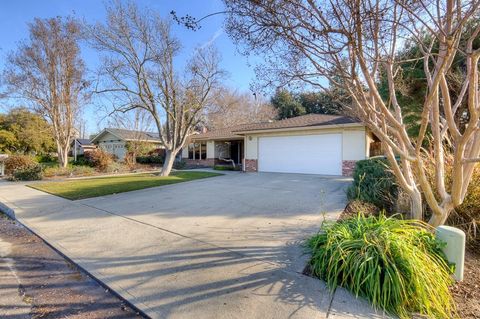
{"type": "Point", "coordinates": [396, 264]}
{"type": "Point", "coordinates": [18, 162]}
{"type": "Point", "coordinates": [181, 164]}
{"type": "Point", "coordinates": [81, 161]}
{"type": "Point", "coordinates": [374, 183]}
{"type": "Point", "coordinates": [150, 159]}
{"type": "Point", "coordinates": [45, 158]}
{"type": "Point", "coordinates": [31, 173]}
{"type": "Point", "coordinates": [223, 168]}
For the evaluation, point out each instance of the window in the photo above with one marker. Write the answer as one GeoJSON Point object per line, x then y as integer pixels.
{"type": "Point", "coordinates": [190, 151]}
{"type": "Point", "coordinates": [203, 151]}
{"type": "Point", "coordinates": [197, 151]}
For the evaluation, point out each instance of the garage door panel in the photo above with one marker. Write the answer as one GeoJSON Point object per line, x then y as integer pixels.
{"type": "Point", "coordinates": [308, 154]}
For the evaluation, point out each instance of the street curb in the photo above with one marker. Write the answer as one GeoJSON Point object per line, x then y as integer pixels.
{"type": "Point", "coordinates": [11, 213]}
{"type": "Point", "coordinates": [7, 210]}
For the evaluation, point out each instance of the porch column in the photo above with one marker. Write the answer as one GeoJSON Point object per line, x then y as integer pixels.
{"type": "Point", "coordinates": [211, 149]}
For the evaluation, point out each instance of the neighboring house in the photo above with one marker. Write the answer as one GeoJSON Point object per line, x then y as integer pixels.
{"type": "Point", "coordinates": [114, 140]}
{"type": "Point", "coordinates": [309, 144]}
{"type": "Point", "coordinates": [81, 145]}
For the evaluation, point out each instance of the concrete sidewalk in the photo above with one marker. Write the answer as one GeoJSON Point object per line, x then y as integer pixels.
{"type": "Point", "coordinates": [169, 271]}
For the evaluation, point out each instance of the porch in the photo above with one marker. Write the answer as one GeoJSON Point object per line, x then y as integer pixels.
{"type": "Point", "coordinates": [210, 153]}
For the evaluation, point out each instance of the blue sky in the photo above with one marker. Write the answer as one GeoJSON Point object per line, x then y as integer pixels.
{"type": "Point", "coordinates": [15, 15]}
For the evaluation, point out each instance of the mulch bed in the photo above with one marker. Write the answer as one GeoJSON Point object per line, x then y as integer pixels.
{"type": "Point", "coordinates": [467, 292]}
{"type": "Point", "coordinates": [53, 287]}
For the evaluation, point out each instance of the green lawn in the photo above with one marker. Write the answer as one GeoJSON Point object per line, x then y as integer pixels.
{"type": "Point", "coordinates": [93, 187]}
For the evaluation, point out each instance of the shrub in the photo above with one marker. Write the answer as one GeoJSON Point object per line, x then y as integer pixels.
{"type": "Point", "coordinates": [181, 164]}
{"type": "Point", "coordinates": [31, 173]}
{"type": "Point", "coordinates": [223, 168]}
{"type": "Point", "coordinates": [396, 264]}
{"type": "Point", "coordinates": [45, 158]}
{"type": "Point", "coordinates": [81, 161]}
{"type": "Point", "coordinates": [99, 159]}
{"type": "Point", "coordinates": [150, 159]}
{"type": "Point", "coordinates": [374, 183]}
{"type": "Point", "coordinates": [18, 162]}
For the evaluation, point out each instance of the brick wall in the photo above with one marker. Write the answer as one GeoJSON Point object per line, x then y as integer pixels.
{"type": "Point", "coordinates": [348, 167]}
{"type": "Point", "coordinates": [200, 163]}
{"type": "Point", "coordinates": [251, 165]}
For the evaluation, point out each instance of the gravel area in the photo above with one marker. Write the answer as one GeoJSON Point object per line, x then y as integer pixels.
{"type": "Point", "coordinates": [37, 282]}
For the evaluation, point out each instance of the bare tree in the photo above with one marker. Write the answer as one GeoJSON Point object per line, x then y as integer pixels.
{"type": "Point", "coordinates": [232, 108]}
{"type": "Point", "coordinates": [349, 42]}
{"type": "Point", "coordinates": [138, 69]}
{"type": "Point", "coordinates": [49, 73]}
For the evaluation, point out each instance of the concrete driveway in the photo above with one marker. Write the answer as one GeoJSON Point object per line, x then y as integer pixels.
{"type": "Point", "coordinates": [223, 247]}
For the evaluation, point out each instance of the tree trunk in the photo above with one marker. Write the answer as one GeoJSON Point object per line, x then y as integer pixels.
{"type": "Point", "coordinates": [438, 219]}
{"type": "Point", "coordinates": [416, 207]}
{"type": "Point", "coordinates": [168, 163]}
{"type": "Point", "coordinates": [62, 156]}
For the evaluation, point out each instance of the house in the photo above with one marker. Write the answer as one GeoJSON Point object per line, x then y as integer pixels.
{"type": "Point", "coordinates": [81, 145]}
{"type": "Point", "coordinates": [309, 144]}
{"type": "Point", "coordinates": [114, 140]}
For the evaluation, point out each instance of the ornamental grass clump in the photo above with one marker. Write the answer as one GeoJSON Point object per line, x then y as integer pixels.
{"type": "Point", "coordinates": [396, 264]}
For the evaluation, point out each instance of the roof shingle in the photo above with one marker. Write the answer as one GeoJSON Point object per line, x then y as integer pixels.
{"type": "Point", "coordinates": [309, 120]}
{"type": "Point", "coordinates": [134, 135]}
{"type": "Point", "coordinates": [84, 141]}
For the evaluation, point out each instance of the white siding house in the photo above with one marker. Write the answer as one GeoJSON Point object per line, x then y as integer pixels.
{"type": "Point", "coordinates": [114, 140]}
{"type": "Point", "coordinates": [308, 144]}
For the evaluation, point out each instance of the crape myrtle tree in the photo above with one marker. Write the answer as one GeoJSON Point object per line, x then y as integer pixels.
{"type": "Point", "coordinates": [411, 84]}
{"type": "Point", "coordinates": [49, 74]}
{"type": "Point", "coordinates": [138, 71]}
{"type": "Point", "coordinates": [349, 43]}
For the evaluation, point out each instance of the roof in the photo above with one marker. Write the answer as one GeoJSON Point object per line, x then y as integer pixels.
{"type": "Point", "coordinates": [220, 134]}
{"type": "Point", "coordinates": [309, 120]}
{"type": "Point", "coordinates": [84, 141]}
{"type": "Point", "coordinates": [131, 135]}
{"type": "Point", "coordinates": [303, 121]}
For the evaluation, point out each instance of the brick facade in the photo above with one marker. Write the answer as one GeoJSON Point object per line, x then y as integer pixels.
{"type": "Point", "coordinates": [210, 162]}
{"type": "Point", "coordinates": [348, 167]}
{"type": "Point", "coordinates": [251, 165]}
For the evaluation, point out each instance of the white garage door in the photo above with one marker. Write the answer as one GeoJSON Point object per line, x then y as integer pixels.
{"type": "Point", "coordinates": [308, 154]}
